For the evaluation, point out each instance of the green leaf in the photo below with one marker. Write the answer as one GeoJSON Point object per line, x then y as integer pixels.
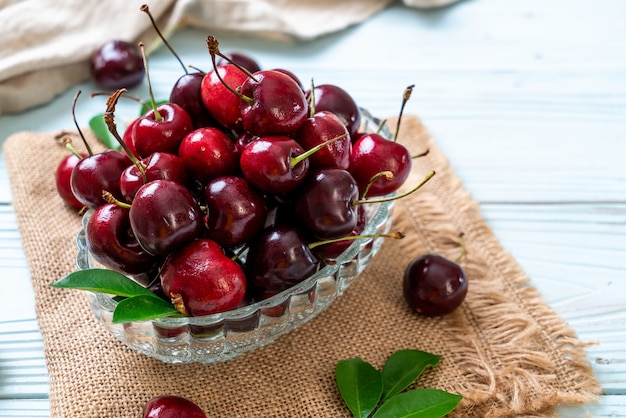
{"type": "Point", "coordinates": [102, 281]}
{"type": "Point", "coordinates": [419, 403]}
{"type": "Point", "coordinates": [403, 368]}
{"type": "Point", "coordinates": [143, 308]}
{"type": "Point", "coordinates": [101, 130]}
{"type": "Point", "coordinates": [360, 385]}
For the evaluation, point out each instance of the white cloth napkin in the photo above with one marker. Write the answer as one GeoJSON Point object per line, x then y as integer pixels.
{"type": "Point", "coordinates": [46, 44]}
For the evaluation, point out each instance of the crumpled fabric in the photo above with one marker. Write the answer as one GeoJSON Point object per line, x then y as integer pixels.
{"type": "Point", "coordinates": [46, 44]}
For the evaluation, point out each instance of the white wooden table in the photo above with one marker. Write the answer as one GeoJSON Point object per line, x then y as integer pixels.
{"type": "Point", "coordinates": [526, 98]}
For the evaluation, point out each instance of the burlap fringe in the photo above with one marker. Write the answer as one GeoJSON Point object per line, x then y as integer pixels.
{"type": "Point", "coordinates": [509, 374]}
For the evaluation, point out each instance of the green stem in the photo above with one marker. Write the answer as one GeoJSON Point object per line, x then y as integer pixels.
{"type": "Point", "coordinates": [157, 115]}
{"type": "Point", "coordinates": [396, 197]}
{"type": "Point", "coordinates": [394, 235]}
{"type": "Point", "coordinates": [294, 161]}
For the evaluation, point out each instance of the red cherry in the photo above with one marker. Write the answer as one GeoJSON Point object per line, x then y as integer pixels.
{"type": "Point", "coordinates": [222, 103]}
{"type": "Point", "coordinates": [168, 406]}
{"type": "Point", "coordinates": [319, 128]}
{"type": "Point", "coordinates": [335, 99]}
{"type": "Point", "coordinates": [97, 173]}
{"type": "Point", "coordinates": [161, 130]}
{"type": "Point", "coordinates": [62, 177]}
{"type": "Point", "coordinates": [208, 153]}
{"type": "Point", "coordinates": [117, 64]}
{"type": "Point", "coordinates": [157, 166]}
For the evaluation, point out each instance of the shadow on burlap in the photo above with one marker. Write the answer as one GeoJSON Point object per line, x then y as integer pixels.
{"type": "Point", "coordinates": [504, 350]}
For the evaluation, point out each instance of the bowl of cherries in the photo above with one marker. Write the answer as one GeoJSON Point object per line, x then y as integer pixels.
{"type": "Point", "coordinates": [211, 233]}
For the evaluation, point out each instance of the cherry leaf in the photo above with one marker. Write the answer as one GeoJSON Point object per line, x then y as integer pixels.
{"type": "Point", "coordinates": [419, 403]}
{"type": "Point", "coordinates": [102, 281]}
{"type": "Point", "coordinates": [403, 368]}
{"type": "Point", "coordinates": [360, 385]}
{"type": "Point", "coordinates": [100, 129]}
{"type": "Point", "coordinates": [143, 308]}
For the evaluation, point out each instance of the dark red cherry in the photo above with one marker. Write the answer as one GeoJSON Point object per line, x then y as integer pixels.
{"type": "Point", "coordinates": [112, 244]}
{"type": "Point", "coordinates": [434, 285]}
{"type": "Point", "coordinates": [235, 210]}
{"type": "Point", "coordinates": [186, 93]}
{"type": "Point", "coordinates": [335, 99]}
{"type": "Point", "coordinates": [223, 104]}
{"type": "Point", "coordinates": [292, 75]}
{"type": "Point", "coordinates": [241, 59]}
{"type": "Point", "coordinates": [117, 64]}
{"type": "Point", "coordinates": [62, 177]}
{"type": "Point", "coordinates": [324, 204]}
{"type": "Point", "coordinates": [332, 250]}
{"type": "Point", "coordinates": [208, 153]}
{"type": "Point", "coordinates": [271, 164]}
{"type": "Point", "coordinates": [201, 280]}
{"type": "Point", "coordinates": [97, 173]}
{"type": "Point", "coordinates": [321, 127]}
{"type": "Point", "coordinates": [169, 406]}
{"type": "Point", "coordinates": [158, 166]}
{"type": "Point", "coordinates": [279, 258]}
{"type": "Point", "coordinates": [164, 216]}
{"type": "Point", "coordinates": [372, 154]}
{"type": "Point", "coordinates": [161, 130]}
{"type": "Point", "coordinates": [273, 104]}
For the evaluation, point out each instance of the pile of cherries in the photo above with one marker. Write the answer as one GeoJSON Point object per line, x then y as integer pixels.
{"type": "Point", "coordinates": [238, 160]}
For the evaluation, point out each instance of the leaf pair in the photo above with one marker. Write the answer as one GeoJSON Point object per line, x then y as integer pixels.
{"type": "Point", "coordinates": [365, 389]}
{"type": "Point", "coordinates": [136, 303]}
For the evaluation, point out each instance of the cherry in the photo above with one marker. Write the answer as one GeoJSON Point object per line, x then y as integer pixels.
{"type": "Point", "coordinates": [325, 203]}
{"type": "Point", "coordinates": [157, 166]}
{"type": "Point", "coordinates": [334, 99]}
{"type": "Point", "coordinates": [242, 60]}
{"type": "Point", "coordinates": [111, 243]}
{"type": "Point", "coordinates": [164, 216]}
{"type": "Point", "coordinates": [116, 64]}
{"type": "Point", "coordinates": [201, 280]}
{"type": "Point", "coordinates": [169, 406]}
{"type": "Point", "coordinates": [334, 249]}
{"type": "Point", "coordinates": [218, 97]}
{"type": "Point", "coordinates": [272, 102]}
{"type": "Point", "coordinates": [62, 176]}
{"type": "Point", "coordinates": [273, 164]}
{"type": "Point", "coordinates": [208, 153]}
{"type": "Point", "coordinates": [97, 173]}
{"type": "Point", "coordinates": [186, 90]}
{"type": "Point", "coordinates": [321, 127]}
{"type": "Point", "coordinates": [434, 285]}
{"type": "Point", "coordinates": [235, 211]}
{"type": "Point", "coordinates": [279, 258]}
{"type": "Point", "coordinates": [292, 75]}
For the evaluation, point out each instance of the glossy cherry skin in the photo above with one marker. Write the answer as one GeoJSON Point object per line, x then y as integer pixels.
{"type": "Point", "coordinates": [266, 164]}
{"type": "Point", "coordinates": [279, 258]}
{"type": "Point", "coordinates": [335, 99]}
{"type": "Point", "coordinates": [319, 128]}
{"type": "Point", "coordinates": [151, 134]}
{"type": "Point", "coordinates": [186, 93]}
{"type": "Point", "coordinates": [96, 173]}
{"type": "Point", "coordinates": [127, 138]}
{"type": "Point", "coordinates": [222, 104]}
{"type": "Point", "coordinates": [164, 216]}
{"type": "Point", "coordinates": [201, 280]}
{"type": "Point", "coordinates": [158, 166]}
{"type": "Point", "coordinates": [372, 154]}
{"type": "Point", "coordinates": [292, 75]}
{"type": "Point", "coordinates": [112, 244]}
{"type": "Point", "coordinates": [324, 204]}
{"type": "Point", "coordinates": [333, 250]}
{"type": "Point", "coordinates": [235, 210]}
{"type": "Point", "coordinates": [434, 285]}
{"type": "Point", "coordinates": [278, 105]}
{"type": "Point", "coordinates": [62, 176]}
{"type": "Point", "coordinates": [209, 153]}
{"type": "Point", "coordinates": [241, 59]}
{"type": "Point", "coordinates": [169, 406]}
{"type": "Point", "coordinates": [117, 64]}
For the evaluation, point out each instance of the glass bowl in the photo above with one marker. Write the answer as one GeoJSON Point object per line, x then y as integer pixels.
{"type": "Point", "coordinates": [223, 336]}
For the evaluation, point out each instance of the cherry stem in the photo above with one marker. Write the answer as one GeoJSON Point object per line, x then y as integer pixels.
{"type": "Point", "coordinates": [157, 115]}
{"type": "Point", "coordinates": [109, 198]}
{"type": "Point", "coordinates": [89, 151]}
{"type": "Point", "coordinates": [238, 254]}
{"type": "Point", "coordinates": [463, 248]}
{"type": "Point", "coordinates": [213, 46]}
{"type": "Point", "coordinates": [405, 99]}
{"type": "Point", "coordinates": [387, 174]}
{"type": "Point", "coordinates": [198, 70]}
{"type": "Point", "coordinates": [394, 235]}
{"type": "Point", "coordinates": [294, 161]}
{"type": "Point", "coordinates": [109, 119]}
{"type": "Point", "coordinates": [144, 8]}
{"type": "Point", "coordinates": [67, 142]}
{"type": "Point", "coordinates": [124, 95]}
{"type": "Point", "coordinates": [312, 99]}
{"type": "Point", "coordinates": [381, 126]}
{"type": "Point", "coordinates": [396, 197]}
{"type": "Point", "coordinates": [423, 154]}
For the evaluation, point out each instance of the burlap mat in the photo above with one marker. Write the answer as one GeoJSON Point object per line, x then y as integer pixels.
{"type": "Point", "coordinates": [504, 350]}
